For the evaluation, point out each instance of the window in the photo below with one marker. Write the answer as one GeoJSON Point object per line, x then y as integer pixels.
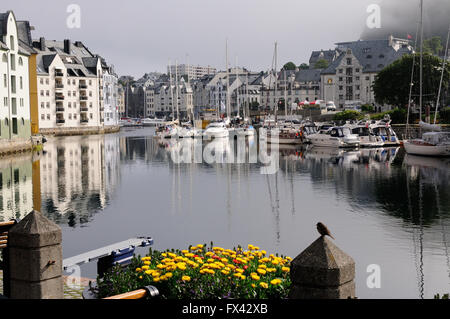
{"type": "Point", "coordinates": [47, 93]}
{"type": "Point", "coordinates": [91, 116]}
{"type": "Point", "coordinates": [41, 81]}
{"type": "Point", "coordinates": [11, 43]}
{"type": "Point", "coordinates": [42, 93]}
{"type": "Point", "coordinates": [357, 70]}
{"type": "Point", "coordinates": [48, 116]}
{"type": "Point", "coordinates": [349, 61]}
{"type": "Point", "coordinates": [4, 58]}
{"type": "Point", "coordinates": [21, 83]}
{"type": "Point", "coordinates": [42, 116]}
{"type": "Point", "coordinates": [13, 62]}
{"type": "Point", "coordinates": [48, 105]}
{"type": "Point", "coordinates": [14, 125]}
{"type": "Point", "coordinates": [5, 101]}
{"type": "Point", "coordinates": [46, 81]}
{"type": "Point", "coordinates": [369, 56]}
{"type": "Point", "coordinates": [20, 61]}
{"type": "Point", "coordinates": [70, 116]}
{"type": "Point", "coordinates": [13, 84]}
{"type": "Point", "coordinates": [70, 105]}
{"type": "Point", "coordinates": [69, 93]}
{"type": "Point", "coordinates": [5, 80]}
{"type": "Point", "coordinates": [68, 82]}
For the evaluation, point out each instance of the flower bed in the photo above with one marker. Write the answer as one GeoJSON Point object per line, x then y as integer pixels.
{"type": "Point", "coordinates": [203, 273]}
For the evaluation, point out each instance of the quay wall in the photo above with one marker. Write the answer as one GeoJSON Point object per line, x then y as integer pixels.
{"type": "Point", "coordinates": [69, 131]}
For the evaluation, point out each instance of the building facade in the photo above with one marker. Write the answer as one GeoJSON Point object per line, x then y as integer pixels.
{"type": "Point", "coordinates": [193, 72]}
{"type": "Point", "coordinates": [15, 123]}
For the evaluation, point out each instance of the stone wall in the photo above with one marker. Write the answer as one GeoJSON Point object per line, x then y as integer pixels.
{"type": "Point", "coordinates": [80, 130]}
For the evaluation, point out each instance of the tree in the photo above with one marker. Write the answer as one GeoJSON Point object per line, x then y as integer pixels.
{"type": "Point", "coordinates": [289, 66]}
{"type": "Point", "coordinates": [303, 66]}
{"type": "Point", "coordinates": [321, 64]}
{"type": "Point", "coordinates": [392, 84]}
{"type": "Point", "coordinates": [433, 45]}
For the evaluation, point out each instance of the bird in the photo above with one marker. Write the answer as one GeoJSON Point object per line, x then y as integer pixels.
{"type": "Point", "coordinates": [323, 230]}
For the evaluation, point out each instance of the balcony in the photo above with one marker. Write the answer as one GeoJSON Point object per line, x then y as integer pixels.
{"type": "Point", "coordinates": [60, 121]}
{"type": "Point", "coordinates": [84, 109]}
{"type": "Point", "coordinates": [102, 120]}
{"type": "Point", "coordinates": [83, 86]}
{"type": "Point", "coordinates": [59, 73]}
{"type": "Point", "coordinates": [83, 98]}
{"type": "Point", "coordinates": [59, 86]}
{"type": "Point", "coordinates": [84, 121]}
{"type": "Point", "coordinates": [102, 109]}
{"type": "Point", "coordinates": [59, 109]}
{"type": "Point", "coordinates": [59, 98]}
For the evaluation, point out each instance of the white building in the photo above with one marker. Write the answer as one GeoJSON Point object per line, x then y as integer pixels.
{"type": "Point", "coordinates": [348, 80]}
{"type": "Point", "coordinates": [110, 96]}
{"type": "Point", "coordinates": [14, 85]}
{"type": "Point", "coordinates": [159, 100]}
{"type": "Point", "coordinates": [70, 86]}
{"type": "Point", "coordinates": [192, 71]}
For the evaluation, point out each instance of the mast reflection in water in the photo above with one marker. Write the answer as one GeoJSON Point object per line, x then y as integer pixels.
{"type": "Point", "coordinates": [384, 207]}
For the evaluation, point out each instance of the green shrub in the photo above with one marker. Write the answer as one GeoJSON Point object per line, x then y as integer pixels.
{"type": "Point", "coordinates": [347, 115]}
{"type": "Point", "coordinates": [368, 108]}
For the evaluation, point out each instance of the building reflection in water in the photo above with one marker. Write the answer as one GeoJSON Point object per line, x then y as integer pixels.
{"type": "Point", "coordinates": [77, 175]}
{"type": "Point", "coordinates": [16, 186]}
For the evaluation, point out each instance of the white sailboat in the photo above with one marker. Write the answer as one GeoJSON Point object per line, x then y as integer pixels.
{"type": "Point", "coordinates": [435, 143]}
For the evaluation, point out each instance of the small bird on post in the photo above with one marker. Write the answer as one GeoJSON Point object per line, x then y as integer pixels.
{"type": "Point", "coordinates": [323, 230]}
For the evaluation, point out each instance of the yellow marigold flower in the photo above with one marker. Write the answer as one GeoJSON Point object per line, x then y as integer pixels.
{"type": "Point", "coordinates": [163, 277]}
{"type": "Point", "coordinates": [202, 271]}
{"type": "Point", "coordinates": [239, 270]}
{"type": "Point", "coordinates": [264, 285]}
{"type": "Point", "coordinates": [218, 248]}
{"type": "Point", "coordinates": [271, 270]}
{"type": "Point", "coordinates": [140, 277]}
{"type": "Point", "coordinates": [275, 262]}
{"type": "Point", "coordinates": [262, 266]}
{"type": "Point", "coordinates": [155, 274]}
{"type": "Point", "coordinates": [210, 260]}
{"type": "Point", "coordinates": [256, 277]}
{"type": "Point", "coordinates": [286, 269]}
{"type": "Point", "coordinates": [263, 252]}
{"type": "Point", "coordinates": [156, 279]}
{"type": "Point", "coordinates": [138, 269]}
{"type": "Point", "coordinates": [164, 254]}
{"type": "Point", "coordinates": [172, 255]}
{"type": "Point", "coordinates": [186, 278]}
{"type": "Point", "coordinates": [253, 286]}
{"type": "Point", "coordinates": [169, 275]}
{"type": "Point", "coordinates": [225, 272]}
{"type": "Point", "coordinates": [261, 271]}
{"type": "Point", "coordinates": [238, 274]}
{"type": "Point", "coordinates": [209, 254]}
{"type": "Point", "coordinates": [210, 271]}
{"type": "Point", "coordinates": [149, 272]}
{"type": "Point", "coordinates": [145, 267]}
{"type": "Point", "coordinates": [276, 282]}
{"type": "Point", "coordinates": [224, 260]}
{"type": "Point", "coordinates": [200, 246]}
{"type": "Point", "coordinates": [243, 277]}
{"type": "Point", "coordinates": [256, 248]}
{"type": "Point", "coordinates": [250, 247]}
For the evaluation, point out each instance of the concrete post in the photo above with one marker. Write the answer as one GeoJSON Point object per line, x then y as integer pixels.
{"type": "Point", "coordinates": [35, 256]}
{"type": "Point", "coordinates": [322, 271]}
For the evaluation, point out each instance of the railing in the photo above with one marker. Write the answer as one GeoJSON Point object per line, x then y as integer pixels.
{"type": "Point", "coordinates": [59, 86]}
{"type": "Point", "coordinates": [59, 97]}
{"type": "Point", "coordinates": [59, 73]}
{"type": "Point", "coordinates": [60, 121]}
{"type": "Point", "coordinates": [84, 121]}
{"type": "Point", "coordinates": [84, 109]}
{"type": "Point", "coordinates": [83, 98]}
{"type": "Point", "coordinates": [83, 86]}
{"type": "Point", "coordinates": [59, 109]}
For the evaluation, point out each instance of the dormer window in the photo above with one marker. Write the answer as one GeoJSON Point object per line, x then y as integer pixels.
{"type": "Point", "coordinates": [369, 56]}
{"type": "Point", "coordinates": [11, 44]}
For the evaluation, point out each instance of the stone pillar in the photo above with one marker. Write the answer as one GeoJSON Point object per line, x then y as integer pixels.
{"type": "Point", "coordinates": [35, 255]}
{"type": "Point", "coordinates": [322, 271]}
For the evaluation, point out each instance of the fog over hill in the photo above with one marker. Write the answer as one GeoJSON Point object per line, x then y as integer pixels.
{"type": "Point", "coordinates": [400, 17]}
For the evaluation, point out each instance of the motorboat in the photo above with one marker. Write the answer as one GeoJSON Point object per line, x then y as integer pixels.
{"type": "Point", "coordinates": [367, 138]}
{"type": "Point", "coordinates": [216, 130]}
{"type": "Point", "coordinates": [337, 136]}
{"type": "Point", "coordinates": [431, 144]}
{"type": "Point", "coordinates": [384, 130]}
{"type": "Point", "coordinates": [284, 135]}
{"type": "Point", "coordinates": [188, 131]}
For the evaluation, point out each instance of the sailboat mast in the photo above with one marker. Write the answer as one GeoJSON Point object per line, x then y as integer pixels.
{"type": "Point", "coordinates": [246, 97]}
{"type": "Point", "coordinates": [285, 95]}
{"type": "Point", "coordinates": [421, 60]}
{"type": "Point", "coordinates": [171, 90]}
{"type": "Point", "coordinates": [276, 84]}
{"type": "Point", "coordinates": [237, 88]}
{"type": "Point", "coordinates": [176, 91]}
{"type": "Point", "coordinates": [228, 79]}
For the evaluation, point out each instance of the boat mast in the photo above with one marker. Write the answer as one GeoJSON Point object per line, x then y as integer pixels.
{"type": "Point", "coordinates": [246, 96]}
{"type": "Point", "coordinates": [228, 79]}
{"type": "Point", "coordinates": [171, 91]}
{"type": "Point", "coordinates": [421, 60]}
{"type": "Point", "coordinates": [176, 91]}
{"type": "Point", "coordinates": [444, 64]}
{"type": "Point", "coordinates": [276, 84]}
{"type": "Point", "coordinates": [237, 88]}
{"type": "Point", "coordinates": [285, 95]}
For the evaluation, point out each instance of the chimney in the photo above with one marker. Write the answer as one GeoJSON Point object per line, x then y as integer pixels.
{"type": "Point", "coordinates": [67, 47]}
{"type": "Point", "coordinates": [42, 46]}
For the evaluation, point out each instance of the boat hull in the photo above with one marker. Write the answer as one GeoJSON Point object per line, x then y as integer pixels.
{"type": "Point", "coordinates": [423, 149]}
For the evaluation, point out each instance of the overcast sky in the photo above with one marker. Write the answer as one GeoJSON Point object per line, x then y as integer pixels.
{"type": "Point", "coordinates": [140, 36]}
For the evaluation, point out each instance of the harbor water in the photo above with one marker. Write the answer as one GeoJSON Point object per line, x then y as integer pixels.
{"type": "Point", "coordinates": [384, 207]}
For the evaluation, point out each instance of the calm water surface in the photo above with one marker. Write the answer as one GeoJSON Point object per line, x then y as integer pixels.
{"type": "Point", "coordinates": [383, 207]}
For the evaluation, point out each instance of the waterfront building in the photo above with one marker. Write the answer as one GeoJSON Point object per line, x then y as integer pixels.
{"type": "Point", "coordinates": [15, 80]}
{"type": "Point", "coordinates": [121, 100]}
{"type": "Point", "coordinates": [162, 99]}
{"type": "Point", "coordinates": [348, 80]}
{"type": "Point", "coordinates": [191, 71]}
{"type": "Point", "coordinates": [110, 95]}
